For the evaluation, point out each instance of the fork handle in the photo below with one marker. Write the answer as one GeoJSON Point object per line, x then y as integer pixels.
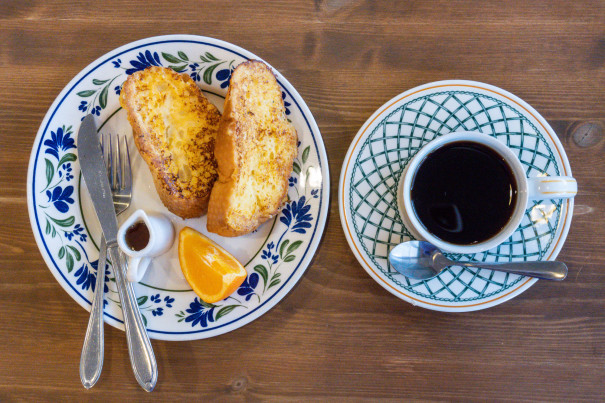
{"type": "Point", "coordinates": [141, 354]}
{"type": "Point", "coordinates": [91, 360]}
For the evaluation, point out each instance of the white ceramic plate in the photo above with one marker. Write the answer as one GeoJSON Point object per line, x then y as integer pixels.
{"type": "Point", "coordinates": [380, 151]}
{"type": "Point", "coordinates": [67, 231]}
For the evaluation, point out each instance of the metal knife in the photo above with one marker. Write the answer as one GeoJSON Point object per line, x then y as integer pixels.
{"type": "Point", "coordinates": [95, 175]}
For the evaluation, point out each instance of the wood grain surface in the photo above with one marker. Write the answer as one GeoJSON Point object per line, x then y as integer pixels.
{"type": "Point", "coordinates": [338, 335]}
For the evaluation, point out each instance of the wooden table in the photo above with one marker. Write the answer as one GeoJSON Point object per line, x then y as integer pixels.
{"type": "Point", "coordinates": [337, 335]}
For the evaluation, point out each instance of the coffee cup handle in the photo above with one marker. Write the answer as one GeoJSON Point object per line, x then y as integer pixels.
{"type": "Point", "coordinates": [137, 268]}
{"type": "Point", "coordinates": [551, 187]}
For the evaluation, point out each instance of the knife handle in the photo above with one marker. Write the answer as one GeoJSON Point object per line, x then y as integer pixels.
{"type": "Point", "coordinates": [91, 360]}
{"type": "Point", "coordinates": [142, 358]}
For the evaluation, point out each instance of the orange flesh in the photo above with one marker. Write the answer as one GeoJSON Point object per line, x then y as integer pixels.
{"type": "Point", "coordinates": [210, 270]}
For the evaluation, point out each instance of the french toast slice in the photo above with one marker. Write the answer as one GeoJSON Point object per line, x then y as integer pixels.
{"type": "Point", "coordinates": [174, 128]}
{"type": "Point", "coordinates": [255, 149]}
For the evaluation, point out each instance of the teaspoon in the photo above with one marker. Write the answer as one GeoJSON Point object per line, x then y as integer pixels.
{"type": "Point", "coordinates": [422, 260]}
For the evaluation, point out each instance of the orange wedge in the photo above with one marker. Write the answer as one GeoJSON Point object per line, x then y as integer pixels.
{"type": "Point", "coordinates": [210, 270]}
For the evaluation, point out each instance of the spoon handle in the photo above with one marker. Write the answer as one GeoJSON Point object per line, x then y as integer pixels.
{"type": "Point", "coordinates": [547, 270]}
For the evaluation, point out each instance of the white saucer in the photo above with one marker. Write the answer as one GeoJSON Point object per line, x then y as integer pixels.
{"type": "Point", "coordinates": [380, 151]}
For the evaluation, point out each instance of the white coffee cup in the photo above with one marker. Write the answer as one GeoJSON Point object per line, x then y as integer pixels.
{"type": "Point", "coordinates": [528, 189]}
{"type": "Point", "coordinates": [161, 237]}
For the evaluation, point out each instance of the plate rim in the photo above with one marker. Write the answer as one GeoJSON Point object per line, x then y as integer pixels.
{"type": "Point", "coordinates": [323, 207]}
{"type": "Point", "coordinates": [363, 133]}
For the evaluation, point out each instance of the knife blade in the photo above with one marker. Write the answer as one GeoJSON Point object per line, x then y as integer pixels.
{"type": "Point", "coordinates": [94, 172]}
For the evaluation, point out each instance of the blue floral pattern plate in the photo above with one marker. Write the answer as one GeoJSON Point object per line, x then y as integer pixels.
{"type": "Point", "coordinates": [67, 231]}
{"type": "Point", "coordinates": [378, 155]}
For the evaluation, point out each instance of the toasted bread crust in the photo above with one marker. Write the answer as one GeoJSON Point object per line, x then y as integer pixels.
{"type": "Point", "coordinates": [174, 128]}
{"type": "Point", "coordinates": [255, 149]}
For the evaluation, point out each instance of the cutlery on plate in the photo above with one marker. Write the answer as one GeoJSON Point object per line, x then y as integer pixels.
{"type": "Point", "coordinates": [94, 172]}
{"type": "Point", "coordinates": [117, 160]}
{"type": "Point", "coordinates": [421, 260]}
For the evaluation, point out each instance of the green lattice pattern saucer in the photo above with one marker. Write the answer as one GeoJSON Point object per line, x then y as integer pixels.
{"type": "Point", "coordinates": [378, 158]}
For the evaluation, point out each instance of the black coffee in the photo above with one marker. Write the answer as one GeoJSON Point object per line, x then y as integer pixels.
{"type": "Point", "coordinates": [464, 193]}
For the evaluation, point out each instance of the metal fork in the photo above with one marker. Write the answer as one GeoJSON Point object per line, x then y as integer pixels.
{"type": "Point", "coordinates": [117, 160]}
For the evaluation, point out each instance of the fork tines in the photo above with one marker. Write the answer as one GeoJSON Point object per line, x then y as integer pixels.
{"type": "Point", "coordinates": [117, 160]}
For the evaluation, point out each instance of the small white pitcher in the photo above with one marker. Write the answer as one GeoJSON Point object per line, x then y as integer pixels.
{"type": "Point", "coordinates": [161, 237]}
